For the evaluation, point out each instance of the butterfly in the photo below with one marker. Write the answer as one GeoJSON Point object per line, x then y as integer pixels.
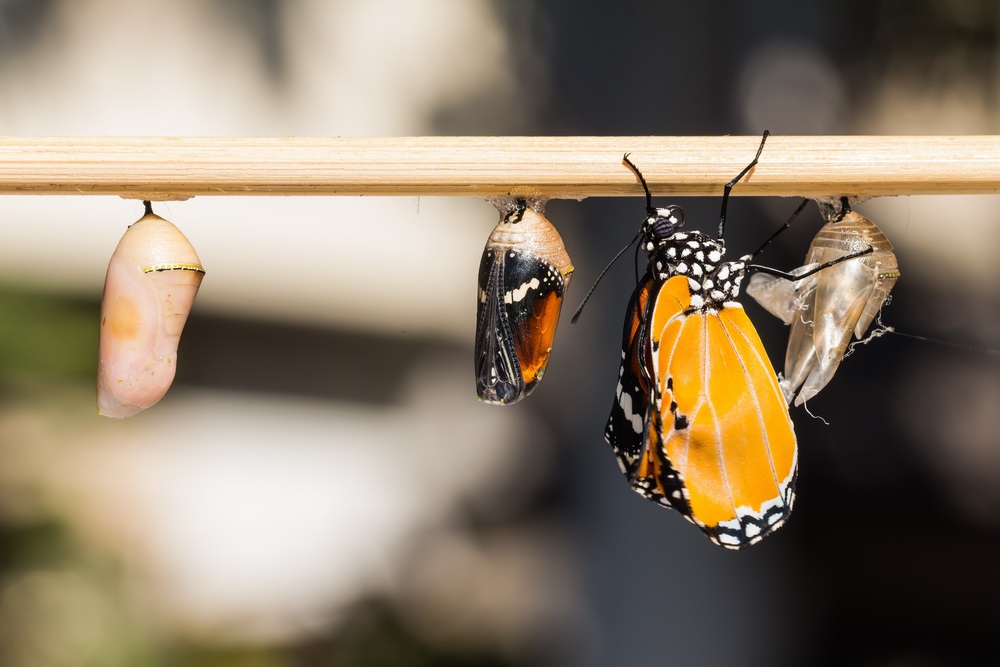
{"type": "Point", "coordinates": [699, 422]}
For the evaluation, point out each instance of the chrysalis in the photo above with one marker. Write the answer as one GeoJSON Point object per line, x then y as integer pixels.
{"type": "Point", "coordinates": [827, 307]}
{"type": "Point", "coordinates": [152, 280]}
{"type": "Point", "coordinates": [523, 278]}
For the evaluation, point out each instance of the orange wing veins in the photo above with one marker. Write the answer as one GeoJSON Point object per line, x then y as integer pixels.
{"type": "Point", "coordinates": [721, 444]}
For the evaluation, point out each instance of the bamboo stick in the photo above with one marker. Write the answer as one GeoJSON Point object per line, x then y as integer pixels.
{"type": "Point", "coordinates": [559, 167]}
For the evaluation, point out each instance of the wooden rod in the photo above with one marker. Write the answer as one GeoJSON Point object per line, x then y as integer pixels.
{"type": "Point", "coordinates": [558, 167]}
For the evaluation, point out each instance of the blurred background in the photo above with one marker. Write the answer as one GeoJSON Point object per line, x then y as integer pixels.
{"type": "Point", "coordinates": [321, 487]}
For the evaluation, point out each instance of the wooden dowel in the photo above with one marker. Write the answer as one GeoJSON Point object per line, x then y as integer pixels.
{"type": "Point", "coordinates": [558, 167]}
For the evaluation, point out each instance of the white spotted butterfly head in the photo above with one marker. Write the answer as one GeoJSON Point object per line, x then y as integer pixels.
{"type": "Point", "coordinates": [661, 224]}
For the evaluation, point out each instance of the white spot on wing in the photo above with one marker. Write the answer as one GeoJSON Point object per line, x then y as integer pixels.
{"type": "Point", "coordinates": [520, 292]}
{"type": "Point", "coordinates": [626, 404]}
{"type": "Point", "coordinates": [726, 538]}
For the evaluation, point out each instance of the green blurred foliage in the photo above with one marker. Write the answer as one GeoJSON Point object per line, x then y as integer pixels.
{"type": "Point", "coordinates": [45, 337]}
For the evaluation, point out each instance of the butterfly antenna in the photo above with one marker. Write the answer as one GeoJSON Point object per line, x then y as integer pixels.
{"type": "Point", "coordinates": [642, 179]}
{"type": "Point", "coordinates": [621, 252]}
{"type": "Point", "coordinates": [781, 229]}
{"type": "Point", "coordinates": [729, 186]}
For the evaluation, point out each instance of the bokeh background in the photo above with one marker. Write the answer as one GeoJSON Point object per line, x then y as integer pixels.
{"type": "Point", "coordinates": [320, 486]}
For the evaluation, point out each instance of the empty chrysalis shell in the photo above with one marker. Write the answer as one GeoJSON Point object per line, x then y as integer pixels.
{"type": "Point", "coordinates": [826, 308]}
{"type": "Point", "coordinates": [523, 277]}
{"type": "Point", "coordinates": [152, 280]}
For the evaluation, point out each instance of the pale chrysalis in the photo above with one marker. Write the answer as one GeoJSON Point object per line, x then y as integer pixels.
{"type": "Point", "coordinates": [825, 308]}
{"type": "Point", "coordinates": [152, 280]}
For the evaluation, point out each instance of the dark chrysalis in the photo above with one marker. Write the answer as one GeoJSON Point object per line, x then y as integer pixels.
{"type": "Point", "coordinates": [523, 278]}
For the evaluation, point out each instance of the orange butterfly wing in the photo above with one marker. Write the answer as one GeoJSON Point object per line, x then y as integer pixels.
{"type": "Point", "coordinates": [721, 443]}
